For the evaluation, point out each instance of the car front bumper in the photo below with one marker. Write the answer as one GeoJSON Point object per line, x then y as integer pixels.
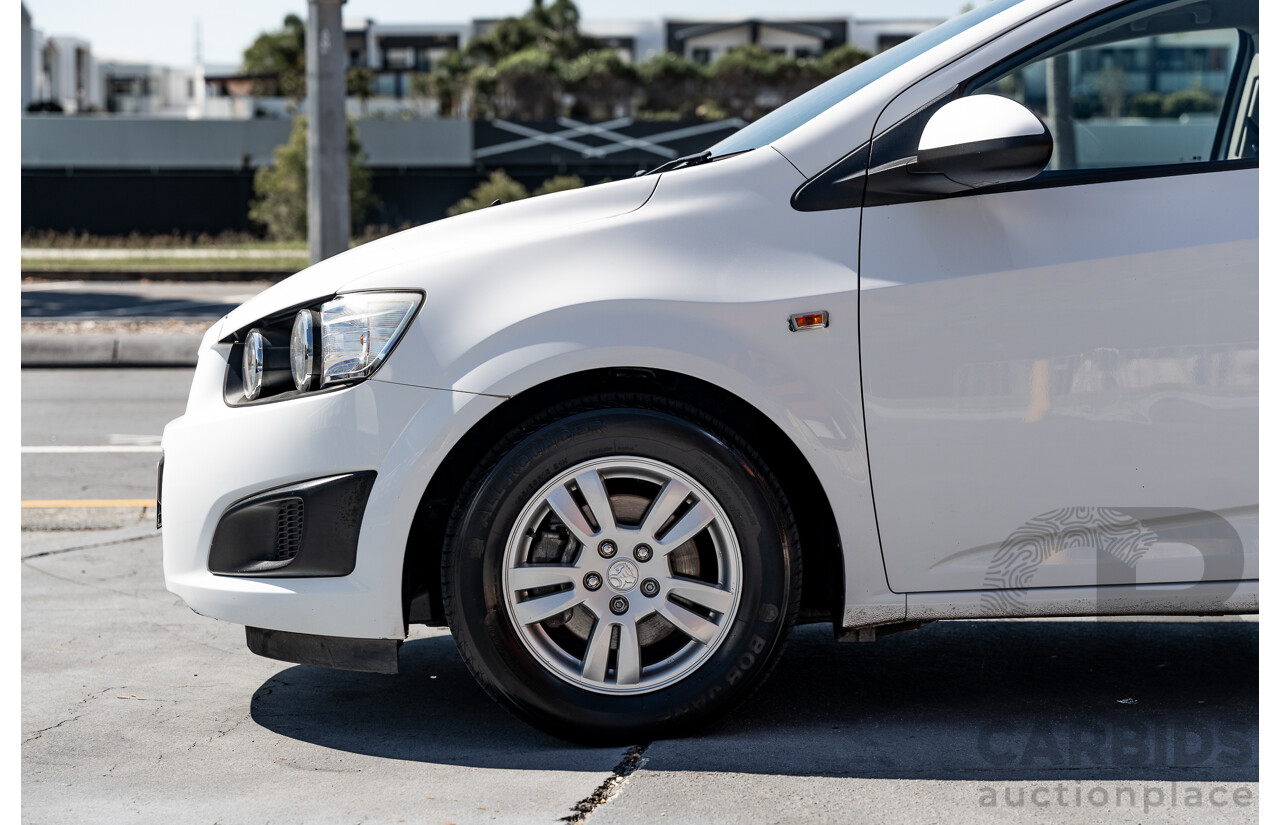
{"type": "Point", "coordinates": [216, 456]}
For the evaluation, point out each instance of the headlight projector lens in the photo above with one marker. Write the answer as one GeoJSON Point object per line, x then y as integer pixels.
{"type": "Point", "coordinates": [254, 345]}
{"type": "Point", "coordinates": [303, 360]}
{"type": "Point", "coordinates": [266, 363]}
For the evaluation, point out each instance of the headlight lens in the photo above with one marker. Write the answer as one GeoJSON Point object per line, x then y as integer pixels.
{"type": "Point", "coordinates": [252, 371]}
{"type": "Point", "coordinates": [302, 350]}
{"type": "Point", "coordinates": [358, 331]}
{"type": "Point", "coordinates": [322, 346]}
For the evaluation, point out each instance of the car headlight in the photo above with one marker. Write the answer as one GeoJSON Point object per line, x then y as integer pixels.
{"type": "Point", "coordinates": [330, 344]}
{"type": "Point", "coordinates": [358, 330]}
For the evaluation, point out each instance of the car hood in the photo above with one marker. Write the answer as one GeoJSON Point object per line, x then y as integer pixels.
{"type": "Point", "coordinates": [442, 239]}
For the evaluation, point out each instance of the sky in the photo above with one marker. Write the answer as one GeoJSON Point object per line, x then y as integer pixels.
{"type": "Point", "coordinates": [164, 31]}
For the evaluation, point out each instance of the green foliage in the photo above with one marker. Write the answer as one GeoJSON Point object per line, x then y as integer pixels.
{"type": "Point", "coordinates": [672, 86]}
{"type": "Point", "coordinates": [1188, 101]}
{"type": "Point", "coordinates": [282, 53]}
{"type": "Point", "coordinates": [1146, 104]}
{"type": "Point", "coordinates": [841, 59]}
{"type": "Point", "coordinates": [280, 190]}
{"type": "Point", "coordinates": [500, 186]}
{"type": "Point", "coordinates": [1174, 104]}
{"type": "Point", "coordinates": [525, 85]}
{"type": "Point", "coordinates": [599, 82]}
{"type": "Point", "coordinates": [360, 82]}
{"type": "Point", "coordinates": [741, 75]}
{"type": "Point", "coordinates": [447, 83]}
{"type": "Point", "coordinates": [560, 183]}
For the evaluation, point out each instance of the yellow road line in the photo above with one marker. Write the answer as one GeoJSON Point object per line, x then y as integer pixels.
{"type": "Point", "coordinates": [60, 503]}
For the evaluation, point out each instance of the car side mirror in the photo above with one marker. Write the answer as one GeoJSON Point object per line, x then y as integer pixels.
{"type": "Point", "coordinates": [983, 140]}
{"type": "Point", "coordinates": [968, 143]}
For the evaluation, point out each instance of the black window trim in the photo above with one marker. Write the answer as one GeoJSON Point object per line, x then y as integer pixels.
{"type": "Point", "coordinates": [1078, 177]}
{"type": "Point", "coordinates": [816, 193]}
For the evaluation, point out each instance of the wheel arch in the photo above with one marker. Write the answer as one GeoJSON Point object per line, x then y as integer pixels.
{"type": "Point", "coordinates": [822, 589]}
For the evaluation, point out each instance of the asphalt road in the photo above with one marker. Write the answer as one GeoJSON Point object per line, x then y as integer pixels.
{"type": "Point", "coordinates": [117, 300]}
{"type": "Point", "coordinates": [94, 434]}
{"type": "Point", "coordinates": [136, 709]}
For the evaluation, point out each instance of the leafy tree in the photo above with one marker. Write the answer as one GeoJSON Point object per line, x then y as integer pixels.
{"type": "Point", "coordinates": [671, 83]}
{"type": "Point", "coordinates": [558, 29]}
{"type": "Point", "coordinates": [499, 186]}
{"type": "Point", "coordinates": [1145, 104]}
{"type": "Point", "coordinates": [841, 59]}
{"type": "Point", "coordinates": [281, 53]}
{"type": "Point", "coordinates": [360, 84]}
{"type": "Point", "coordinates": [742, 79]}
{"type": "Point", "coordinates": [599, 82]}
{"type": "Point", "coordinates": [526, 85]}
{"type": "Point", "coordinates": [280, 190]}
{"type": "Point", "coordinates": [450, 82]}
{"type": "Point", "coordinates": [1186, 101]}
{"type": "Point", "coordinates": [560, 183]}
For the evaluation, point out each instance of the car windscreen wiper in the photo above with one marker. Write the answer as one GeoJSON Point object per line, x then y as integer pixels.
{"type": "Point", "coordinates": [687, 161]}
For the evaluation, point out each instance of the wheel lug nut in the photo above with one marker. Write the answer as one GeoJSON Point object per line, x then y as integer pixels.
{"type": "Point", "coordinates": [643, 552]}
{"type": "Point", "coordinates": [618, 605]}
{"type": "Point", "coordinates": [608, 549]}
{"type": "Point", "coordinates": [592, 581]}
{"type": "Point", "coordinates": [649, 587]}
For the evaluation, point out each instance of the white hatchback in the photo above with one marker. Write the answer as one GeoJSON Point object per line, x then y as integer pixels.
{"type": "Point", "coordinates": [969, 331]}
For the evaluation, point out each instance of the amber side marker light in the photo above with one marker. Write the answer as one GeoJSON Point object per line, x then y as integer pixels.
{"type": "Point", "coordinates": [808, 320]}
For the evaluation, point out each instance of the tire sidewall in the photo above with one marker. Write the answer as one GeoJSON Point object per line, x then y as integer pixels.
{"type": "Point", "coordinates": [482, 623]}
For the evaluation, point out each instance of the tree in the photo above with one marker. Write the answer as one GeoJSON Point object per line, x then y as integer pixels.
{"type": "Point", "coordinates": [671, 84]}
{"type": "Point", "coordinates": [450, 79]}
{"type": "Point", "coordinates": [560, 183]}
{"type": "Point", "coordinates": [520, 64]}
{"type": "Point", "coordinates": [526, 85]}
{"type": "Point", "coordinates": [600, 81]}
{"type": "Point", "coordinates": [280, 190]}
{"type": "Point", "coordinates": [841, 59]}
{"type": "Point", "coordinates": [498, 187]}
{"type": "Point", "coordinates": [744, 78]}
{"type": "Point", "coordinates": [360, 84]}
{"type": "Point", "coordinates": [283, 54]}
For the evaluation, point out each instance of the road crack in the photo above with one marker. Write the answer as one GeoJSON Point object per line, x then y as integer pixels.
{"type": "Point", "coordinates": [632, 761]}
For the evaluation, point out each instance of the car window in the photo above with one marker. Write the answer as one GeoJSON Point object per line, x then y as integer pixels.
{"type": "Point", "coordinates": [787, 118]}
{"type": "Point", "coordinates": [1150, 84]}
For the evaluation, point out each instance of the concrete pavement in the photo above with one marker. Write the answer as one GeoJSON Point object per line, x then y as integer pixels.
{"type": "Point", "coordinates": [136, 709]}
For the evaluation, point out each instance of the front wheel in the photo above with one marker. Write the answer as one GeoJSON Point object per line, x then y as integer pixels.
{"type": "Point", "coordinates": [621, 572]}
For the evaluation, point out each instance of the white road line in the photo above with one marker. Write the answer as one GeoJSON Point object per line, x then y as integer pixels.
{"type": "Point", "coordinates": [94, 448]}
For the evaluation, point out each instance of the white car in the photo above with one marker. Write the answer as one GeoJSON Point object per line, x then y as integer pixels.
{"type": "Point", "coordinates": [969, 331]}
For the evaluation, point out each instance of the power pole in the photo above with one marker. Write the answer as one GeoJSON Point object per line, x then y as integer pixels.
{"type": "Point", "coordinates": [328, 204]}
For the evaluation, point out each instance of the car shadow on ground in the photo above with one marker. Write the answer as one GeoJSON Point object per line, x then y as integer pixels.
{"type": "Point", "coordinates": [72, 306]}
{"type": "Point", "coordinates": [1138, 700]}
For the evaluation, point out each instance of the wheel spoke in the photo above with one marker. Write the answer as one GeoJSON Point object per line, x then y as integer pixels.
{"type": "Point", "coordinates": [568, 511]}
{"type": "Point", "coordinates": [532, 611]}
{"type": "Point", "coordinates": [628, 654]}
{"type": "Point", "coordinates": [596, 660]}
{"type": "Point", "coordinates": [674, 510]}
{"type": "Point", "coordinates": [700, 593]}
{"type": "Point", "coordinates": [540, 575]}
{"type": "Point", "coordinates": [690, 623]}
{"type": "Point", "coordinates": [592, 488]}
{"type": "Point", "coordinates": [689, 525]}
{"type": "Point", "coordinates": [673, 493]}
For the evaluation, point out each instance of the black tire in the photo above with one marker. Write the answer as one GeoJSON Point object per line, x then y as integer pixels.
{"type": "Point", "coordinates": [498, 651]}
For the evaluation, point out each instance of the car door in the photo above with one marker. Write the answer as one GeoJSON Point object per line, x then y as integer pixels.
{"type": "Point", "coordinates": [1060, 376]}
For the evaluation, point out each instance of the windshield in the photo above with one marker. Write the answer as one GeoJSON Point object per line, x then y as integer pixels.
{"type": "Point", "coordinates": [814, 102]}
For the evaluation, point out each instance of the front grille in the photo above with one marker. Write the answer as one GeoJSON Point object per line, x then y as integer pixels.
{"type": "Point", "coordinates": [288, 528]}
